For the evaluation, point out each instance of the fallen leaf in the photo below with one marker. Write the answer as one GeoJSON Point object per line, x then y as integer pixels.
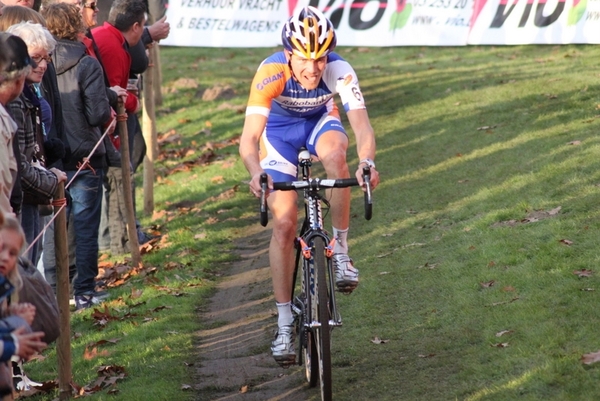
{"type": "Point", "coordinates": [500, 345]}
{"type": "Point", "coordinates": [590, 358]}
{"type": "Point", "coordinates": [382, 273]}
{"type": "Point", "coordinates": [487, 284]}
{"type": "Point", "coordinates": [426, 356]}
{"type": "Point", "coordinates": [583, 272]}
{"type": "Point", "coordinates": [554, 211]}
{"type": "Point", "coordinates": [503, 332]}
{"type": "Point", "coordinates": [136, 293]}
{"type": "Point", "coordinates": [491, 264]}
{"type": "Point", "coordinates": [508, 288]}
{"type": "Point", "coordinates": [566, 241]}
{"type": "Point", "coordinates": [93, 353]}
{"type": "Point", "coordinates": [587, 289]}
{"type": "Point", "coordinates": [486, 127]}
{"type": "Point", "coordinates": [574, 143]}
{"type": "Point", "coordinates": [244, 389]}
{"type": "Point", "coordinates": [186, 387]}
{"type": "Point", "coordinates": [377, 340]}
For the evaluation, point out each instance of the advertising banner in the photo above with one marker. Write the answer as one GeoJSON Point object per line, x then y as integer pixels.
{"type": "Point", "coordinates": [258, 23]}
{"type": "Point", "coordinates": [512, 22]}
{"type": "Point", "coordinates": [226, 23]}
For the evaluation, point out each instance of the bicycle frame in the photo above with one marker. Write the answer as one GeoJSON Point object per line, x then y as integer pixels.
{"type": "Point", "coordinates": [312, 227]}
{"type": "Point", "coordinates": [315, 306]}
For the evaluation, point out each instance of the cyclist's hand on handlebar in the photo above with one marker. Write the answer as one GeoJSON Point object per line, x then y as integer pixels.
{"type": "Point", "coordinates": [374, 178]}
{"type": "Point", "coordinates": [255, 187]}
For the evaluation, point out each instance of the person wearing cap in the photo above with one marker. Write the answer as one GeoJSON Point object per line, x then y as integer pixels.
{"type": "Point", "coordinates": [291, 106]}
{"type": "Point", "coordinates": [15, 64]}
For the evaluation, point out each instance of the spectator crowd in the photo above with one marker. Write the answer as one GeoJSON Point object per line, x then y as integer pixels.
{"type": "Point", "coordinates": [62, 75]}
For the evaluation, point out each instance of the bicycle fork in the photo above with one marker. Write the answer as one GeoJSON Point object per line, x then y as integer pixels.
{"type": "Point", "coordinates": [304, 307]}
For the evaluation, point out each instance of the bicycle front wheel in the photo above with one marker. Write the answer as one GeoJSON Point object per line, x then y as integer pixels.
{"type": "Point", "coordinates": [323, 333]}
{"type": "Point", "coordinates": [307, 338]}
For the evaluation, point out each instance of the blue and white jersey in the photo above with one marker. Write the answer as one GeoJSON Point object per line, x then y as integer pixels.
{"type": "Point", "coordinates": [275, 92]}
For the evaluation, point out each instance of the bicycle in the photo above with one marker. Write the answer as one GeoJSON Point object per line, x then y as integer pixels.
{"type": "Point", "coordinates": [315, 309]}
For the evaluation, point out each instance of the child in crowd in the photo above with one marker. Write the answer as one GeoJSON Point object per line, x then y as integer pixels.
{"type": "Point", "coordinates": [16, 338]}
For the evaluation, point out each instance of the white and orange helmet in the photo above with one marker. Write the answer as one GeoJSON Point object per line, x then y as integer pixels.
{"type": "Point", "coordinates": [308, 34]}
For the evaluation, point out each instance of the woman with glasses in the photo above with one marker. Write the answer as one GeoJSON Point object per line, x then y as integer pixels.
{"type": "Point", "coordinates": [90, 14]}
{"type": "Point", "coordinates": [33, 116]}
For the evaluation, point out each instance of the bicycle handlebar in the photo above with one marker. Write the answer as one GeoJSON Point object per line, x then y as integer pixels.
{"type": "Point", "coordinates": [315, 184]}
{"type": "Point", "coordinates": [264, 186]}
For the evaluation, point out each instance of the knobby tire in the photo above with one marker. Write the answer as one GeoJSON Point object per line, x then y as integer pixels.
{"type": "Point", "coordinates": [323, 333]}
{"type": "Point", "coordinates": [309, 347]}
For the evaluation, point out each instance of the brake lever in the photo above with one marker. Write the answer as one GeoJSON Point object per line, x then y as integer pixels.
{"type": "Point", "coordinates": [368, 199]}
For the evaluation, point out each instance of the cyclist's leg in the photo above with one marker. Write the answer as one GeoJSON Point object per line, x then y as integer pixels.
{"type": "Point", "coordinates": [330, 145]}
{"type": "Point", "coordinates": [281, 250]}
{"type": "Point", "coordinates": [278, 159]}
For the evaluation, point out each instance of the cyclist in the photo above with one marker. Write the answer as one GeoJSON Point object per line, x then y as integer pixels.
{"type": "Point", "coordinates": [291, 106]}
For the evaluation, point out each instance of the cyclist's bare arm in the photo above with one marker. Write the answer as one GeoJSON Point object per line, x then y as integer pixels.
{"type": "Point", "coordinates": [254, 126]}
{"type": "Point", "coordinates": [365, 141]}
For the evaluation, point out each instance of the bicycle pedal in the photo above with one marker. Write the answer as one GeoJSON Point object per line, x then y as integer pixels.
{"type": "Point", "coordinates": [346, 288]}
{"type": "Point", "coordinates": [286, 362]}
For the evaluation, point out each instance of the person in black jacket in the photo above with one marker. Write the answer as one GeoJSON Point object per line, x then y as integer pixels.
{"type": "Point", "coordinates": [85, 109]}
{"type": "Point", "coordinates": [38, 181]}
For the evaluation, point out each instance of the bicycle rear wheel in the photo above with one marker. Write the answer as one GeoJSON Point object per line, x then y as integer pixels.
{"type": "Point", "coordinates": [323, 333]}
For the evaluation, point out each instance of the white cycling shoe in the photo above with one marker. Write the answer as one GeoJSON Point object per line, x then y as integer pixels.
{"type": "Point", "coordinates": [346, 275]}
{"type": "Point", "coordinates": [283, 348]}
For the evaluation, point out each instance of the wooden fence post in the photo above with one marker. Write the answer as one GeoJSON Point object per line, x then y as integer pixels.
{"type": "Point", "coordinates": [155, 59]}
{"type": "Point", "coordinates": [149, 132]}
{"type": "Point", "coordinates": [63, 343]}
{"type": "Point", "coordinates": [134, 246]}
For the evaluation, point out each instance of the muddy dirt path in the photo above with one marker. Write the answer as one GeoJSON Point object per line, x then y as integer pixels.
{"type": "Point", "coordinates": [235, 362]}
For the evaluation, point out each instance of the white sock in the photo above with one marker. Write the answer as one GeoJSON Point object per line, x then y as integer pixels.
{"type": "Point", "coordinates": [284, 311]}
{"type": "Point", "coordinates": [341, 243]}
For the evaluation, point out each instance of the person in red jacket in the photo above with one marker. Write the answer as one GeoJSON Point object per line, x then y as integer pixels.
{"type": "Point", "coordinates": [123, 29]}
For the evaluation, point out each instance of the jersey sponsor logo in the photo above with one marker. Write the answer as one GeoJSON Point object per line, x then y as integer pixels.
{"type": "Point", "coordinates": [274, 163]}
{"type": "Point", "coordinates": [261, 85]}
{"type": "Point", "coordinates": [346, 79]}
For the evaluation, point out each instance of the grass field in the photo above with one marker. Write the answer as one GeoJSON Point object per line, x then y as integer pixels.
{"type": "Point", "coordinates": [478, 270]}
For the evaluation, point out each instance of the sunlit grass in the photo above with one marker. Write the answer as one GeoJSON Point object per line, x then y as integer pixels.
{"type": "Point", "coordinates": [448, 184]}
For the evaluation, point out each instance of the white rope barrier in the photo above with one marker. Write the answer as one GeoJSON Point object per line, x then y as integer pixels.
{"type": "Point", "coordinates": [81, 167]}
